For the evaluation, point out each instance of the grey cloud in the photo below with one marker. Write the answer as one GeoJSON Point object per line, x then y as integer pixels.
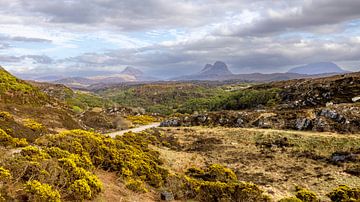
{"type": "Point", "coordinates": [24, 39]}
{"type": "Point", "coordinates": [244, 55]}
{"type": "Point", "coordinates": [40, 59]}
{"type": "Point", "coordinates": [4, 45]}
{"type": "Point", "coordinates": [37, 59]}
{"type": "Point", "coordinates": [131, 15]}
{"type": "Point", "coordinates": [9, 59]}
{"type": "Point", "coordinates": [310, 15]}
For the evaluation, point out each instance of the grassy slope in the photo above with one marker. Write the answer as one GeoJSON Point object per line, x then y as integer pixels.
{"type": "Point", "coordinates": [277, 169]}
{"type": "Point", "coordinates": [23, 100]}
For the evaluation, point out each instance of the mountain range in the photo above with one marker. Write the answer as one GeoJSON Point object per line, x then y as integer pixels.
{"type": "Point", "coordinates": [318, 68]}
{"type": "Point", "coordinates": [129, 74]}
{"type": "Point", "coordinates": [218, 71]}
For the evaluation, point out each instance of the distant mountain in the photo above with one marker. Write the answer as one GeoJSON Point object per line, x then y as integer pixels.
{"type": "Point", "coordinates": [75, 82]}
{"type": "Point", "coordinates": [132, 71]}
{"type": "Point", "coordinates": [218, 71]}
{"type": "Point", "coordinates": [48, 78]}
{"type": "Point", "coordinates": [317, 68]}
{"type": "Point", "coordinates": [129, 74]}
{"type": "Point", "coordinates": [219, 68]}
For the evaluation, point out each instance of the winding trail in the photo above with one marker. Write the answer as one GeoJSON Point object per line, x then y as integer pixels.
{"type": "Point", "coordinates": [135, 130]}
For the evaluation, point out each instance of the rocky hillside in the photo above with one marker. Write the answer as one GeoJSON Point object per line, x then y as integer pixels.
{"type": "Point", "coordinates": [317, 92]}
{"type": "Point", "coordinates": [323, 104]}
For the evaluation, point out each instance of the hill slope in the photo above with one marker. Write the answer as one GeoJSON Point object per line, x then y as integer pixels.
{"type": "Point", "coordinates": [317, 68]}
{"type": "Point", "coordinates": [24, 103]}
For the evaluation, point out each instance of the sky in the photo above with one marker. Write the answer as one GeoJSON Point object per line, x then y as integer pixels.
{"type": "Point", "coordinates": [166, 38]}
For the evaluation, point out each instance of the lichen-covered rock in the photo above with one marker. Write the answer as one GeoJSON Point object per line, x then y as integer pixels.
{"type": "Point", "coordinates": [303, 124]}
{"type": "Point", "coordinates": [166, 196]}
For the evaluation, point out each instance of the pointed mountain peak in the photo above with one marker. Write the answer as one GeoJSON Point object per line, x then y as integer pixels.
{"type": "Point", "coordinates": [132, 71]}
{"type": "Point", "coordinates": [219, 68]}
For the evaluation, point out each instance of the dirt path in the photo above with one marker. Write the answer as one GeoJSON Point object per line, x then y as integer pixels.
{"type": "Point", "coordinates": [135, 130]}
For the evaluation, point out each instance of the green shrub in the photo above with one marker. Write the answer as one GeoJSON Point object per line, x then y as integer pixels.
{"type": "Point", "coordinates": [141, 119]}
{"type": "Point", "coordinates": [126, 153]}
{"type": "Point", "coordinates": [17, 91]}
{"type": "Point", "coordinates": [249, 98]}
{"type": "Point", "coordinates": [55, 167]}
{"type": "Point", "coordinates": [306, 195]}
{"type": "Point", "coordinates": [6, 115]}
{"type": "Point", "coordinates": [4, 174]}
{"type": "Point", "coordinates": [217, 183]}
{"type": "Point", "coordinates": [345, 194]}
{"type": "Point", "coordinates": [33, 125]}
{"type": "Point", "coordinates": [136, 185]}
{"type": "Point", "coordinates": [290, 199]}
{"type": "Point", "coordinates": [34, 153]}
{"type": "Point", "coordinates": [81, 190]}
{"type": "Point", "coordinates": [41, 192]}
{"type": "Point", "coordinates": [7, 140]}
{"type": "Point", "coordinates": [77, 109]}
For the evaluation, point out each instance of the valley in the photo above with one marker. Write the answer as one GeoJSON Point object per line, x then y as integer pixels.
{"type": "Point", "coordinates": [287, 140]}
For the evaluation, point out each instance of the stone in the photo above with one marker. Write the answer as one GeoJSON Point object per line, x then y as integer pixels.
{"type": "Point", "coordinates": [239, 122]}
{"type": "Point", "coordinates": [166, 196]}
{"type": "Point", "coordinates": [302, 123]}
{"type": "Point", "coordinates": [170, 123]}
{"type": "Point", "coordinates": [356, 99]}
{"type": "Point", "coordinates": [333, 115]}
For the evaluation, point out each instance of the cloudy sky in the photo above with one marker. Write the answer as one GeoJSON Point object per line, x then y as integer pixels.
{"type": "Point", "coordinates": [170, 37]}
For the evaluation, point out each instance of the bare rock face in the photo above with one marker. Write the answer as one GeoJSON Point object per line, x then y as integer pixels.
{"type": "Point", "coordinates": [219, 68]}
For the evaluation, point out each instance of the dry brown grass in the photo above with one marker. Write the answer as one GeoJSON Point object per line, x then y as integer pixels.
{"type": "Point", "coordinates": [114, 190]}
{"type": "Point", "coordinates": [278, 169]}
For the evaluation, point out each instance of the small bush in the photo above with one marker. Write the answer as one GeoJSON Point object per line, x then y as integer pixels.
{"type": "Point", "coordinates": [345, 194]}
{"type": "Point", "coordinates": [306, 195]}
{"type": "Point", "coordinates": [128, 155]}
{"type": "Point", "coordinates": [141, 119]}
{"type": "Point", "coordinates": [81, 190]}
{"type": "Point", "coordinates": [57, 168]}
{"type": "Point", "coordinates": [4, 174]}
{"type": "Point", "coordinates": [34, 153]}
{"type": "Point", "coordinates": [217, 183]}
{"type": "Point", "coordinates": [136, 185]}
{"type": "Point", "coordinates": [7, 140]}
{"type": "Point", "coordinates": [77, 109]}
{"type": "Point", "coordinates": [290, 199]}
{"type": "Point", "coordinates": [33, 125]}
{"type": "Point", "coordinates": [6, 115]}
{"type": "Point", "coordinates": [41, 192]}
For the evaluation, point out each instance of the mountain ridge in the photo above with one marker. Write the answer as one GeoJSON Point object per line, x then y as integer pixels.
{"type": "Point", "coordinates": [318, 68]}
